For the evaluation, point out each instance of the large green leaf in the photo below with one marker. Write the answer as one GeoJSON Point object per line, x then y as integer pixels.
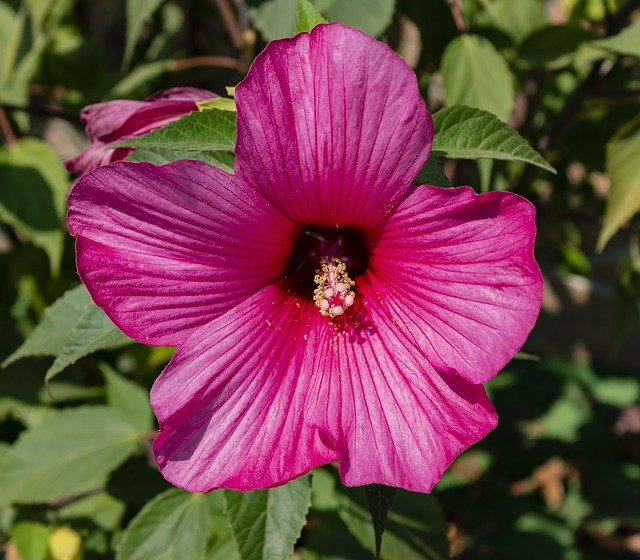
{"type": "Point", "coordinates": [175, 524]}
{"type": "Point", "coordinates": [267, 523]}
{"type": "Point", "coordinates": [371, 16]}
{"type": "Point", "coordinates": [626, 42]}
{"type": "Point", "coordinates": [33, 194]}
{"type": "Point", "coordinates": [623, 168]}
{"type": "Point", "coordinates": [69, 453]}
{"type": "Point", "coordinates": [71, 328]}
{"type": "Point", "coordinates": [138, 12]}
{"type": "Point", "coordinates": [277, 18]}
{"type": "Point", "coordinates": [209, 130]}
{"type": "Point", "coordinates": [474, 73]}
{"type": "Point", "coordinates": [468, 133]}
{"type": "Point", "coordinates": [102, 509]}
{"type": "Point", "coordinates": [432, 173]}
{"type": "Point", "coordinates": [517, 21]}
{"type": "Point", "coordinates": [129, 398]}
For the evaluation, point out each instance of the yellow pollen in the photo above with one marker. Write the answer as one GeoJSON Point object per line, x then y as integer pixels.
{"type": "Point", "coordinates": [333, 294]}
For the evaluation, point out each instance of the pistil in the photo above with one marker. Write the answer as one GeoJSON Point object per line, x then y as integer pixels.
{"type": "Point", "coordinates": [333, 294]}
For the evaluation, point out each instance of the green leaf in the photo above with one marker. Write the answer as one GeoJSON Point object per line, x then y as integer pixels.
{"type": "Point", "coordinates": [139, 77]}
{"type": "Point", "coordinates": [308, 16]}
{"type": "Point", "coordinates": [223, 103]}
{"type": "Point", "coordinates": [474, 73]}
{"type": "Point", "coordinates": [554, 47]}
{"type": "Point", "coordinates": [138, 12]}
{"type": "Point", "coordinates": [175, 524]}
{"type": "Point", "coordinates": [371, 16]}
{"type": "Point", "coordinates": [379, 498]}
{"type": "Point", "coordinates": [467, 133]}
{"type": "Point", "coordinates": [31, 540]}
{"type": "Point", "coordinates": [415, 529]}
{"type": "Point", "coordinates": [623, 168]}
{"type": "Point", "coordinates": [210, 130]}
{"type": "Point", "coordinates": [70, 452]}
{"type": "Point", "coordinates": [277, 18]}
{"type": "Point", "coordinates": [627, 42]}
{"type": "Point", "coordinates": [432, 173]}
{"type": "Point", "coordinates": [129, 398]}
{"type": "Point", "coordinates": [33, 195]}
{"type": "Point", "coordinates": [267, 523]}
{"type": "Point", "coordinates": [71, 328]}
{"type": "Point", "coordinates": [222, 160]}
{"type": "Point", "coordinates": [102, 509]}
{"type": "Point", "coordinates": [517, 22]}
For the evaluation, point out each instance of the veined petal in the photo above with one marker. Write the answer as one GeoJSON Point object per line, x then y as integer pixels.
{"type": "Point", "coordinates": [231, 403]}
{"type": "Point", "coordinates": [164, 250]}
{"type": "Point", "coordinates": [331, 127]}
{"type": "Point", "coordinates": [102, 119]}
{"type": "Point", "coordinates": [393, 418]}
{"type": "Point", "coordinates": [456, 271]}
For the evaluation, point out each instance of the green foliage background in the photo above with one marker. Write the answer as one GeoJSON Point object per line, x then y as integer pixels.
{"type": "Point", "coordinates": [558, 479]}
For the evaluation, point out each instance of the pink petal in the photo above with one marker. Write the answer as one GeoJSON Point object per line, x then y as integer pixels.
{"type": "Point", "coordinates": [94, 155]}
{"type": "Point", "coordinates": [231, 403]}
{"type": "Point", "coordinates": [182, 94]}
{"type": "Point", "coordinates": [164, 250]}
{"type": "Point", "coordinates": [393, 418]}
{"type": "Point", "coordinates": [102, 119]}
{"type": "Point", "coordinates": [457, 273]}
{"type": "Point", "coordinates": [331, 127]}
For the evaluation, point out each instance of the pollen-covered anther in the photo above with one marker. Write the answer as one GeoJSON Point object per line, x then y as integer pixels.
{"type": "Point", "coordinates": [333, 294]}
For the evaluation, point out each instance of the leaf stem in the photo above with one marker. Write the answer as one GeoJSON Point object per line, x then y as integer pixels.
{"type": "Point", "coordinates": [5, 126]}
{"type": "Point", "coordinates": [229, 19]}
{"type": "Point", "coordinates": [206, 60]}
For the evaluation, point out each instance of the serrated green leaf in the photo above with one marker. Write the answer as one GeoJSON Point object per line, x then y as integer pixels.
{"type": "Point", "coordinates": [222, 160]}
{"type": "Point", "coordinates": [623, 168]}
{"type": "Point", "coordinates": [474, 73]}
{"type": "Point", "coordinates": [175, 524]}
{"type": "Point", "coordinates": [102, 509]}
{"type": "Point", "coordinates": [210, 130]}
{"type": "Point", "coordinates": [129, 398]}
{"type": "Point", "coordinates": [71, 328]}
{"type": "Point", "coordinates": [94, 332]}
{"type": "Point", "coordinates": [308, 16]}
{"type": "Point", "coordinates": [627, 42]}
{"type": "Point", "coordinates": [138, 12]}
{"type": "Point", "coordinates": [379, 498]}
{"type": "Point", "coordinates": [31, 540]}
{"type": "Point", "coordinates": [468, 133]}
{"type": "Point", "coordinates": [33, 195]}
{"type": "Point", "coordinates": [71, 452]}
{"type": "Point", "coordinates": [432, 173]}
{"type": "Point", "coordinates": [267, 523]}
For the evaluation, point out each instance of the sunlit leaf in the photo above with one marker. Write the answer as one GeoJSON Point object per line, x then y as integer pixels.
{"type": "Point", "coordinates": [31, 540]}
{"type": "Point", "coordinates": [468, 133]}
{"type": "Point", "coordinates": [266, 523]}
{"type": "Point", "coordinates": [71, 452]}
{"type": "Point", "coordinates": [175, 524]}
{"type": "Point", "coordinates": [627, 42]}
{"type": "Point", "coordinates": [129, 398]}
{"type": "Point", "coordinates": [308, 16]}
{"type": "Point", "coordinates": [474, 73]}
{"type": "Point", "coordinates": [210, 130]}
{"type": "Point", "coordinates": [623, 168]}
{"type": "Point", "coordinates": [138, 12]}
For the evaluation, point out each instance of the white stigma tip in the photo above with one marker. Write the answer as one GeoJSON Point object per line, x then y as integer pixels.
{"type": "Point", "coordinates": [341, 287]}
{"type": "Point", "coordinates": [337, 310]}
{"type": "Point", "coordinates": [329, 292]}
{"type": "Point", "coordinates": [324, 304]}
{"type": "Point", "coordinates": [348, 300]}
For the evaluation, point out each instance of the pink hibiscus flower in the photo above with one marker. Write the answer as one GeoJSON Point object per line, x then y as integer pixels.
{"type": "Point", "coordinates": [323, 307]}
{"type": "Point", "coordinates": [111, 122]}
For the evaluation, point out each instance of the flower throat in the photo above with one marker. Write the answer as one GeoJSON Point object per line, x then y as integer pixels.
{"type": "Point", "coordinates": [324, 262]}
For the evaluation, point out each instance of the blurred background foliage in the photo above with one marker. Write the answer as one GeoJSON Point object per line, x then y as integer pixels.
{"type": "Point", "coordinates": [558, 479]}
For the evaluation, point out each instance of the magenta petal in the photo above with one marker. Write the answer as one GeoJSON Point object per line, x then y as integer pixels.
{"type": "Point", "coordinates": [102, 119]}
{"type": "Point", "coordinates": [231, 403]}
{"type": "Point", "coordinates": [393, 418]}
{"type": "Point", "coordinates": [457, 271]}
{"type": "Point", "coordinates": [182, 94]}
{"type": "Point", "coordinates": [94, 155]}
{"type": "Point", "coordinates": [164, 250]}
{"type": "Point", "coordinates": [331, 127]}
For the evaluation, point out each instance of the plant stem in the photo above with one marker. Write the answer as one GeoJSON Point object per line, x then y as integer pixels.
{"type": "Point", "coordinates": [230, 22]}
